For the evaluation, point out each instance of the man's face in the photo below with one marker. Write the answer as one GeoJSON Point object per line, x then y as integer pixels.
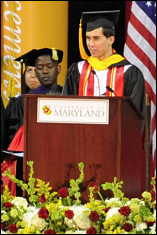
{"type": "Point", "coordinates": [99, 45]}
{"type": "Point", "coordinates": [47, 70]}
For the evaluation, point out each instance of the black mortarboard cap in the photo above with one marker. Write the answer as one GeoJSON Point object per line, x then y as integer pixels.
{"type": "Point", "coordinates": [54, 53]}
{"type": "Point", "coordinates": [93, 20]}
{"type": "Point", "coordinates": [97, 19]}
{"type": "Point", "coordinates": [28, 58]}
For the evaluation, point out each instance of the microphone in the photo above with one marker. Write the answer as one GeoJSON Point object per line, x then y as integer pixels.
{"type": "Point", "coordinates": [93, 71]}
{"type": "Point", "coordinates": [110, 89]}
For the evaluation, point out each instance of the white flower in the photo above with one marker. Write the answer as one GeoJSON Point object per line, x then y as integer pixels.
{"type": "Point", "coordinates": [2, 232]}
{"type": "Point", "coordinates": [39, 222]}
{"type": "Point", "coordinates": [113, 202]}
{"type": "Point", "coordinates": [20, 202]}
{"type": "Point", "coordinates": [76, 232]}
{"type": "Point", "coordinates": [140, 226]}
{"type": "Point", "coordinates": [80, 219]}
{"type": "Point", "coordinates": [112, 212]}
{"type": "Point", "coordinates": [153, 229]}
{"type": "Point", "coordinates": [27, 217]}
{"type": "Point", "coordinates": [3, 212]}
{"type": "Point", "coordinates": [154, 215]}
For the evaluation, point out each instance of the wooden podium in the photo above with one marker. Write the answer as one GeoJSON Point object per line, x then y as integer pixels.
{"type": "Point", "coordinates": [107, 151]}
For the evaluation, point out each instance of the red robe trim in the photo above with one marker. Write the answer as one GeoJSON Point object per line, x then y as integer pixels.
{"type": "Point", "coordinates": [86, 79]}
{"type": "Point", "coordinates": [115, 80]}
{"type": "Point", "coordinates": [17, 144]}
{"type": "Point", "coordinates": [9, 163]}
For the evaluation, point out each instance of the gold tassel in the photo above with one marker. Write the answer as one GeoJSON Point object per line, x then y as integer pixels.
{"type": "Point", "coordinates": [83, 54]}
{"type": "Point", "coordinates": [54, 54]}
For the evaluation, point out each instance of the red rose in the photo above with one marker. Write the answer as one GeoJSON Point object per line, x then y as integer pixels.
{"type": "Point", "coordinates": [69, 214]}
{"type": "Point", "coordinates": [43, 213]}
{"type": "Point", "coordinates": [42, 199]}
{"type": "Point", "coordinates": [127, 227]}
{"type": "Point", "coordinates": [125, 210]}
{"type": "Point", "coordinates": [2, 226]}
{"type": "Point", "coordinates": [94, 216]}
{"type": "Point", "coordinates": [50, 231]}
{"type": "Point", "coordinates": [94, 185]}
{"type": "Point", "coordinates": [91, 230]}
{"type": "Point", "coordinates": [8, 205]}
{"type": "Point", "coordinates": [106, 209]}
{"type": "Point", "coordinates": [12, 228]}
{"type": "Point", "coordinates": [63, 192]}
{"type": "Point", "coordinates": [150, 223]}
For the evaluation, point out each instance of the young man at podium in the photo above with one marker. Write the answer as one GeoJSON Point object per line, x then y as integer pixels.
{"type": "Point", "coordinates": [103, 71]}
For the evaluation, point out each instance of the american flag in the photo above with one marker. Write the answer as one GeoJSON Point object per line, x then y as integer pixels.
{"type": "Point", "coordinates": [140, 50]}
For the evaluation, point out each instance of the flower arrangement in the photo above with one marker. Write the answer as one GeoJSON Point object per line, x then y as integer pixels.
{"type": "Point", "coordinates": [47, 212]}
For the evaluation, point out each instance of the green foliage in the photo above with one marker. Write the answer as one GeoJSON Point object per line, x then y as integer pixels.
{"type": "Point", "coordinates": [115, 187]}
{"type": "Point", "coordinates": [104, 215]}
{"type": "Point", "coordinates": [74, 185]}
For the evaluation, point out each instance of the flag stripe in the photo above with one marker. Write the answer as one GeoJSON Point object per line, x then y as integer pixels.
{"type": "Point", "coordinates": [141, 43]}
{"type": "Point", "coordinates": [143, 31]}
{"type": "Point", "coordinates": [147, 75]}
{"type": "Point", "coordinates": [142, 56]}
{"type": "Point", "coordinates": [140, 50]}
{"type": "Point", "coordinates": [141, 15]}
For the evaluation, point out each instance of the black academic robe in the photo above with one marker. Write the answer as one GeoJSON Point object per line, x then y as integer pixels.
{"type": "Point", "coordinates": [134, 84]}
{"type": "Point", "coordinates": [14, 117]}
{"type": "Point", "coordinates": [15, 110]}
{"type": "Point", "coordinates": [3, 128]}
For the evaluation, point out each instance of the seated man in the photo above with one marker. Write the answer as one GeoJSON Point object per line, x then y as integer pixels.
{"type": "Point", "coordinates": [47, 69]}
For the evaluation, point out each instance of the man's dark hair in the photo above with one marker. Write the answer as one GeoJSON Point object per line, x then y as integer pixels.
{"type": "Point", "coordinates": [108, 31]}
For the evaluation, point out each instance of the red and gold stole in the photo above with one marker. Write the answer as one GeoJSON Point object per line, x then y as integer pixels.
{"type": "Point", "coordinates": [115, 77]}
{"type": "Point", "coordinates": [85, 76]}
{"type": "Point", "coordinates": [115, 80]}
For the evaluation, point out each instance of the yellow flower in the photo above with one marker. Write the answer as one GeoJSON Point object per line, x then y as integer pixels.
{"type": "Point", "coordinates": [150, 219]}
{"type": "Point", "coordinates": [134, 208]}
{"type": "Point", "coordinates": [14, 213]}
{"type": "Point", "coordinates": [88, 205]}
{"type": "Point", "coordinates": [96, 203]}
{"type": "Point", "coordinates": [5, 217]}
{"type": "Point", "coordinates": [147, 196]}
{"type": "Point", "coordinates": [28, 230]}
{"type": "Point", "coordinates": [23, 224]}
{"type": "Point", "coordinates": [137, 218]}
{"type": "Point", "coordinates": [102, 212]}
{"type": "Point", "coordinates": [118, 230]}
{"type": "Point", "coordinates": [59, 223]}
{"type": "Point", "coordinates": [59, 203]}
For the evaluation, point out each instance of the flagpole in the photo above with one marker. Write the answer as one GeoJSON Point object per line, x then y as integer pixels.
{"type": "Point", "coordinates": [147, 143]}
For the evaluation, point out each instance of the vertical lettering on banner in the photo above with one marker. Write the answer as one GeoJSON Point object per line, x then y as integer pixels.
{"type": "Point", "coordinates": [10, 49]}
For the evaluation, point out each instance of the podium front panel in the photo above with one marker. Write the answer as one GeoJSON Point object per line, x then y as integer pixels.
{"type": "Point", "coordinates": [106, 150]}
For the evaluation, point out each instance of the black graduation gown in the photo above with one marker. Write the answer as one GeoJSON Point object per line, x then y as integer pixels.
{"type": "Point", "coordinates": [134, 84]}
{"type": "Point", "coordinates": [14, 117]}
{"type": "Point", "coordinates": [3, 128]}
